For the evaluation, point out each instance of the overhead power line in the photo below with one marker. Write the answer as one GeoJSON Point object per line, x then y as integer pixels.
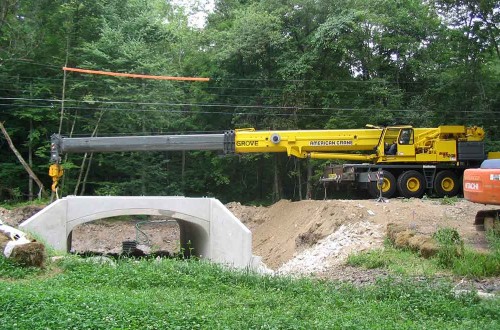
{"type": "Point", "coordinates": [37, 106]}
{"type": "Point", "coordinates": [201, 105]}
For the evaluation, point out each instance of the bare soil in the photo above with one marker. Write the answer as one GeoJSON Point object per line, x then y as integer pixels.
{"type": "Point", "coordinates": [292, 237]}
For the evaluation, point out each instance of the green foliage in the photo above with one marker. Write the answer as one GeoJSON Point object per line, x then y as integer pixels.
{"type": "Point", "coordinates": [169, 294]}
{"type": "Point", "coordinates": [450, 244]}
{"type": "Point", "coordinates": [493, 239]}
{"type": "Point", "coordinates": [478, 264]}
{"type": "Point", "coordinates": [38, 202]}
{"type": "Point", "coordinates": [107, 189]}
{"type": "Point", "coordinates": [369, 260]}
{"type": "Point", "coordinates": [273, 65]}
{"type": "Point", "coordinates": [474, 264]}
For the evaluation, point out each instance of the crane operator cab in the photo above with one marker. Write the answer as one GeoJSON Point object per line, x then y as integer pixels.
{"type": "Point", "coordinates": [401, 140]}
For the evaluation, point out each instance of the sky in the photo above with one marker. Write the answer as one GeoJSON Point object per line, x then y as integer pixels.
{"type": "Point", "coordinates": [197, 10]}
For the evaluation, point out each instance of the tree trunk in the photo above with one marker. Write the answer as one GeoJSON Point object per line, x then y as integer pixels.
{"type": "Point", "coordinates": [309, 179]}
{"type": "Point", "coordinates": [61, 116]}
{"type": "Point", "coordinates": [61, 185]}
{"type": "Point", "coordinates": [21, 160]}
{"type": "Point", "coordinates": [278, 189]}
{"type": "Point", "coordinates": [84, 182]}
{"type": "Point", "coordinates": [299, 176]}
{"type": "Point", "coordinates": [30, 162]}
{"type": "Point", "coordinates": [82, 167]}
{"type": "Point", "coordinates": [144, 176]}
{"type": "Point", "coordinates": [260, 177]}
{"type": "Point", "coordinates": [183, 172]}
{"type": "Point", "coordinates": [80, 174]}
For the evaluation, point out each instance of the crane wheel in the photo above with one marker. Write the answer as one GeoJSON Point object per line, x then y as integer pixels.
{"type": "Point", "coordinates": [411, 184]}
{"type": "Point", "coordinates": [446, 183]}
{"type": "Point", "coordinates": [388, 186]}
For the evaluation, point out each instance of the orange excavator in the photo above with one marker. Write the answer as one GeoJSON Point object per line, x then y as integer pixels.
{"type": "Point", "coordinates": [482, 185]}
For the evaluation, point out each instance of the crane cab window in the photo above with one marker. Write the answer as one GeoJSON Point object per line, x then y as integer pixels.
{"type": "Point", "coordinates": [390, 139]}
{"type": "Point", "coordinates": [406, 136]}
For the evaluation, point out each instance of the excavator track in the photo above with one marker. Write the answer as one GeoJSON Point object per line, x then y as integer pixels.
{"type": "Point", "coordinates": [488, 220]}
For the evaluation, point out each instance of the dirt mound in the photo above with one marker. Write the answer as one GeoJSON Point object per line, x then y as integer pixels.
{"type": "Point", "coordinates": [285, 229]}
{"type": "Point", "coordinates": [20, 214]}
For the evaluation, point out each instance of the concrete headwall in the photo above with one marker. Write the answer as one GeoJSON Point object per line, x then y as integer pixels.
{"type": "Point", "coordinates": [212, 231]}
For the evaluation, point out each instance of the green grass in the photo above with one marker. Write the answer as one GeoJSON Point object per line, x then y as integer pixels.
{"type": "Point", "coordinates": [400, 262]}
{"type": "Point", "coordinates": [11, 270]}
{"type": "Point", "coordinates": [449, 200]}
{"type": "Point", "coordinates": [493, 239]}
{"type": "Point", "coordinates": [472, 263]}
{"type": "Point", "coordinates": [453, 258]}
{"type": "Point", "coordinates": [172, 294]}
{"type": "Point", "coordinates": [475, 264]}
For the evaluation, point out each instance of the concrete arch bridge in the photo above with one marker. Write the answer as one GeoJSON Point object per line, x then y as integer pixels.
{"type": "Point", "coordinates": [213, 231]}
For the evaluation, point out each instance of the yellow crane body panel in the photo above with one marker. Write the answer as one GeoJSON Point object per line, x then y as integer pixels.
{"type": "Point", "coordinates": [423, 145]}
{"type": "Point", "coordinates": [300, 142]}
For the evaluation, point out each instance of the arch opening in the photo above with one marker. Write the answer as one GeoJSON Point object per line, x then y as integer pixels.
{"type": "Point", "coordinates": [193, 231]}
{"type": "Point", "coordinates": [153, 235]}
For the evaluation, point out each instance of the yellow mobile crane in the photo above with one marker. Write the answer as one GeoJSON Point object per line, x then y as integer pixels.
{"type": "Point", "coordinates": [390, 159]}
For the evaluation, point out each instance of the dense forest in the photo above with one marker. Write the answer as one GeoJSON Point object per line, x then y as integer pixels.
{"type": "Point", "coordinates": [302, 64]}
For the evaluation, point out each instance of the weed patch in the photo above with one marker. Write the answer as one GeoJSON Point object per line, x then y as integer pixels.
{"type": "Point", "coordinates": [449, 200]}
{"type": "Point", "coordinates": [402, 262]}
{"type": "Point", "coordinates": [452, 256]}
{"type": "Point", "coordinates": [450, 244]}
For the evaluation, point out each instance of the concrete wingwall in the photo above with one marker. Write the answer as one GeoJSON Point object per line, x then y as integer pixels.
{"type": "Point", "coordinates": [207, 227]}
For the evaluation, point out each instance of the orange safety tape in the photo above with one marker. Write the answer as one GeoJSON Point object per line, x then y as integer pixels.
{"type": "Point", "coordinates": [132, 75]}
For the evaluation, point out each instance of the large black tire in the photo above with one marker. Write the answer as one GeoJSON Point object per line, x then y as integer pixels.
{"type": "Point", "coordinates": [446, 183]}
{"type": "Point", "coordinates": [411, 184]}
{"type": "Point", "coordinates": [388, 186]}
